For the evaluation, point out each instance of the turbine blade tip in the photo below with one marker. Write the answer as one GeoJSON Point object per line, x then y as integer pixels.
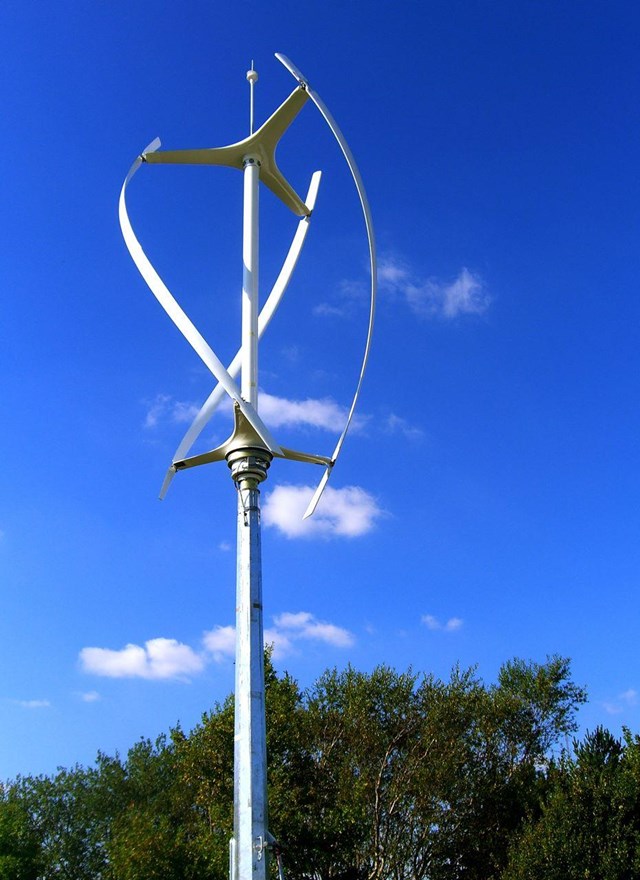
{"type": "Point", "coordinates": [167, 482]}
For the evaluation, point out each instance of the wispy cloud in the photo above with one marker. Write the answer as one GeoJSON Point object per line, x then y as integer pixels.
{"type": "Point", "coordinates": [331, 310]}
{"type": "Point", "coordinates": [431, 297]}
{"type": "Point", "coordinates": [322, 413]}
{"type": "Point", "coordinates": [33, 704]}
{"type": "Point", "coordinates": [451, 625]}
{"type": "Point", "coordinates": [278, 641]}
{"type": "Point", "coordinates": [157, 659]}
{"type": "Point", "coordinates": [626, 700]}
{"type": "Point", "coordinates": [90, 697]}
{"type": "Point", "coordinates": [165, 408]}
{"type": "Point", "coordinates": [426, 297]}
{"type": "Point", "coordinates": [303, 625]}
{"type": "Point", "coordinates": [288, 628]}
{"type": "Point", "coordinates": [394, 424]}
{"type": "Point", "coordinates": [348, 512]}
{"type": "Point", "coordinates": [220, 642]}
{"type": "Point", "coordinates": [349, 296]}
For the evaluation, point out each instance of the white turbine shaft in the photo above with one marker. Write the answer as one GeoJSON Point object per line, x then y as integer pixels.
{"type": "Point", "coordinates": [249, 383]}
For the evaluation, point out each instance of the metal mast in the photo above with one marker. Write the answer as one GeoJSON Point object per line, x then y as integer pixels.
{"type": "Point", "coordinates": [248, 854]}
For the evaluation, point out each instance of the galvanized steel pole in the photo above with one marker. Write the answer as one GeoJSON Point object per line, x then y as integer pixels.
{"type": "Point", "coordinates": [249, 844]}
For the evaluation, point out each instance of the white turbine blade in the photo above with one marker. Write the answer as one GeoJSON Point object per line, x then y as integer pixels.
{"type": "Point", "coordinates": [317, 495]}
{"type": "Point", "coordinates": [355, 173]}
{"type": "Point", "coordinates": [293, 70]}
{"type": "Point", "coordinates": [155, 144]}
{"type": "Point", "coordinates": [182, 321]}
{"type": "Point", "coordinates": [171, 472]}
{"type": "Point", "coordinates": [273, 301]}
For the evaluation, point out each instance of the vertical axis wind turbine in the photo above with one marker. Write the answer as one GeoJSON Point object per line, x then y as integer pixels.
{"type": "Point", "coordinates": [251, 447]}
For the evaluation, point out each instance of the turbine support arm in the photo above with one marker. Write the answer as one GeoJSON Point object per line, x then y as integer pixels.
{"type": "Point", "coordinates": [262, 145]}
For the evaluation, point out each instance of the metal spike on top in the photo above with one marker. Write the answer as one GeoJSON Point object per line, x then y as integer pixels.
{"type": "Point", "coordinates": [252, 76]}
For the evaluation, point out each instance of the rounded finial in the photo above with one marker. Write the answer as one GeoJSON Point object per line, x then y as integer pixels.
{"type": "Point", "coordinates": [252, 75]}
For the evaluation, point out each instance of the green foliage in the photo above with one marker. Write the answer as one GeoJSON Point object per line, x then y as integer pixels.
{"type": "Point", "coordinates": [589, 826]}
{"type": "Point", "coordinates": [19, 843]}
{"type": "Point", "coordinates": [372, 776]}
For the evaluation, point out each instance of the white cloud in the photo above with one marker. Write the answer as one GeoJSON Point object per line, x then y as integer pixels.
{"type": "Point", "coordinates": [612, 708]}
{"type": "Point", "coordinates": [303, 625]}
{"type": "Point", "coordinates": [158, 659]}
{"type": "Point", "coordinates": [162, 659]}
{"type": "Point", "coordinates": [432, 623]}
{"type": "Point", "coordinates": [166, 408]}
{"type": "Point", "coordinates": [347, 512]}
{"type": "Point", "coordinates": [34, 704]}
{"type": "Point", "coordinates": [431, 298]}
{"type": "Point", "coordinates": [348, 297]}
{"type": "Point", "coordinates": [279, 412]}
{"type": "Point", "coordinates": [397, 425]}
{"type": "Point", "coordinates": [278, 641]}
{"type": "Point", "coordinates": [90, 697]}
{"type": "Point", "coordinates": [466, 294]}
{"type": "Point", "coordinates": [288, 628]}
{"type": "Point", "coordinates": [183, 412]}
{"type": "Point", "coordinates": [327, 310]}
{"type": "Point", "coordinates": [224, 546]}
{"type": "Point", "coordinates": [392, 273]}
{"type": "Point", "coordinates": [220, 642]}
{"type": "Point", "coordinates": [625, 700]}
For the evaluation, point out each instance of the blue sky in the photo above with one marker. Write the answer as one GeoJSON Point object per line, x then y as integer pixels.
{"type": "Point", "coordinates": [486, 503]}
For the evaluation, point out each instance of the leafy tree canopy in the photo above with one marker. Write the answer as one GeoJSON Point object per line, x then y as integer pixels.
{"type": "Point", "coordinates": [372, 776]}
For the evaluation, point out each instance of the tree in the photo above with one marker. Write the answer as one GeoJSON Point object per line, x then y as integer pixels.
{"type": "Point", "coordinates": [372, 776]}
{"type": "Point", "coordinates": [589, 825]}
{"type": "Point", "coordinates": [403, 776]}
{"type": "Point", "coordinates": [19, 843]}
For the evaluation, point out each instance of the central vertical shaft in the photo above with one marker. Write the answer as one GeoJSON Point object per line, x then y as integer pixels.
{"type": "Point", "coordinates": [249, 468]}
{"type": "Point", "coordinates": [249, 382]}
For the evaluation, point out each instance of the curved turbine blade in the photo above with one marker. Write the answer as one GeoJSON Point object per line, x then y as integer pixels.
{"type": "Point", "coordinates": [355, 173]}
{"type": "Point", "coordinates": [271, 304]}
{"type": "Point", "coordinates": [180, 318]}
{"type": "Point", "coordinates": [317, 495]}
